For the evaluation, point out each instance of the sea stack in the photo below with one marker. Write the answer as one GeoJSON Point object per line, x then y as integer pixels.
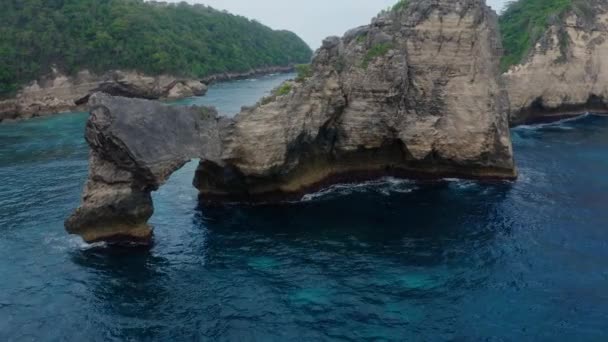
{"type": "Point", "coordinates": [417, 93]}
{"type": "Point", "coordinates": [565, 73]}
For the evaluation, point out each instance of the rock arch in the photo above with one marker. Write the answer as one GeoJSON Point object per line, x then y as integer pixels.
{"type": "Point", "coordinates": [135, 146]}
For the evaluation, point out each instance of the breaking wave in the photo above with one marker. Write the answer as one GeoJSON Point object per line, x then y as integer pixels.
{"type": "Point", "coordinates": [560, 124]}
{"type": "Point", "coordinates": [384, 186]}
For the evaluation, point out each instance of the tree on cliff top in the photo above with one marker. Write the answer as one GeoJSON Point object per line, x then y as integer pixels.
{"type": "Point", "coordinates": [524, 22]}
{"type": "Point", "coordinates": [155, 38]}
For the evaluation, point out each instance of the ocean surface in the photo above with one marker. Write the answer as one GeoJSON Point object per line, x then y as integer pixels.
{"type": "Point", "coordinates": [388, 260]}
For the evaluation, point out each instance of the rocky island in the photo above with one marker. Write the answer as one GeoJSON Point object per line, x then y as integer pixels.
{"type": "Point", "coordinates": [416, 93]}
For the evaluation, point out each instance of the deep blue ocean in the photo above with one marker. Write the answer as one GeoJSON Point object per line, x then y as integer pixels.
{"type": "Point", "coordinates": [389, 260]}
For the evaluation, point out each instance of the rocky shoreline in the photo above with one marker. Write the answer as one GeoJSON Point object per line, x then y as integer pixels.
{"type": "Point", "coordinates": [59, 93]}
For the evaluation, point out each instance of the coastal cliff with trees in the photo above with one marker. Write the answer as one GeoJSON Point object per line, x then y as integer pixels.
{"type": "Point", "coordinates": [554, 60]}
{"type": "Point", "coordinates": [46, 40]}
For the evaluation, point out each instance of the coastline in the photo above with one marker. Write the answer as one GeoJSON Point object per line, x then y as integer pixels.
{"type": "Point", "coordinates": [233, 76]}
{"type": "Point", "coordinates": [61, 94]}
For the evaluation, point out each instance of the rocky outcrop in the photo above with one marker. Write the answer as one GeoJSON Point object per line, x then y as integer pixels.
{"type": "Point", "coordinates": [135, 146]}
{"type": "Point", "coordinates": [159, 87]}
{"type": "Point", "coordinates": [60, 93]}
{"type": "Point", "coordinates": [416, 93]}
{"type": "Point", "coordinates": [566, 72]}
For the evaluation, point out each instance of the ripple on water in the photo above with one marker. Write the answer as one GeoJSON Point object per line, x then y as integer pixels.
{"type": "Point", "coordinates": [263, 263]}
{"type": "Point", "coordinates": [311, 296]}
{"type": "Point", "coordinates": [383, 260]}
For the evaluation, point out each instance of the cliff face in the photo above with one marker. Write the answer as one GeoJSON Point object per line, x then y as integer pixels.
{"type": "Point", "coordinates": [566, 73]}
{"type": "Point", "coordinates": [60, 93]}
{"type": "Point", "coordinates": [415, 93]}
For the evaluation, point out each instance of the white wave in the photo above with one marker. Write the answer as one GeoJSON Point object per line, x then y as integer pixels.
{"type": "Point", "coordinates": [461, 183]}
{"type": "Point", "coordinates": [70, 242]}
{"type": "Point", "coordinates": [384, 186]}
{"type": "Point", "coordinates": [558, 123]}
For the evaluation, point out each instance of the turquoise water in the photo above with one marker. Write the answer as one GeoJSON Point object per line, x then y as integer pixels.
{"type": "Point", "coordinates": [247, 92]}
{"type": "Point", "coordinates": [379, 261]}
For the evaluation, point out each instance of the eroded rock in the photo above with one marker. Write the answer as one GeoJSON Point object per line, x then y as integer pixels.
{"type": "Point", "coordinates": [135, 146]}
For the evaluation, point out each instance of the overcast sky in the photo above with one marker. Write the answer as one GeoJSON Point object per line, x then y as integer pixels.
{"type": "Point", "coordinates": [313, 20]}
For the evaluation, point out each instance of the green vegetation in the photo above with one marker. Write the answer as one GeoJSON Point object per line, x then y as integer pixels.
{"type": "Point", "coordinates": [375, 52]}
{"type": "Point", "coordinates": [284, 89]}
{"type": "Point", "coordinates": [524, 22]}
{"type": "Point", "coordinates": [100, 35]}
{"type": "Point", "coordinates": [340, 64]}
{"type": "Point", "coordinates": [401, 4]}
{"type": "Point", "coordinates": [304, 71]}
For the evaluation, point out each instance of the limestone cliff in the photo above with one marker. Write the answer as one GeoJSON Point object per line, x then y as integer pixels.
{"type": "Point", "coordinates": [415, 93]}
{"type": "Point", "coordinates": [566, 72]}
{"type": "Point", "coordinates": [59, 93]}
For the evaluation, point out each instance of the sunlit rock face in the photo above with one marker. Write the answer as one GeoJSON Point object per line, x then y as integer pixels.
{"type": "Point", "coordinates": [415, 93]}
{"type": "Point", "coordinates": [566, 73]}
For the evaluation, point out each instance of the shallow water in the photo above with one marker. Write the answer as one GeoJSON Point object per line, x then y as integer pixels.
{"type": "Point", "coordinates": [383, 260]}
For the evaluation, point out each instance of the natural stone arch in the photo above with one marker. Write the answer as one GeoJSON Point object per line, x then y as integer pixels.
{"type": "Point", "coordinates": [135, 146]}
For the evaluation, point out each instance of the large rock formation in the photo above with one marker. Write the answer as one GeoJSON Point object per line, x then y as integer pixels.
{"type": "Point", "coordinates": [135, 146]}
{"type": "Point", "coordinates": [59, 93]}
{"type": "Point", "coordinates": [566, 72]}
{"type": "Point", "coordinates": [415, 93]}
